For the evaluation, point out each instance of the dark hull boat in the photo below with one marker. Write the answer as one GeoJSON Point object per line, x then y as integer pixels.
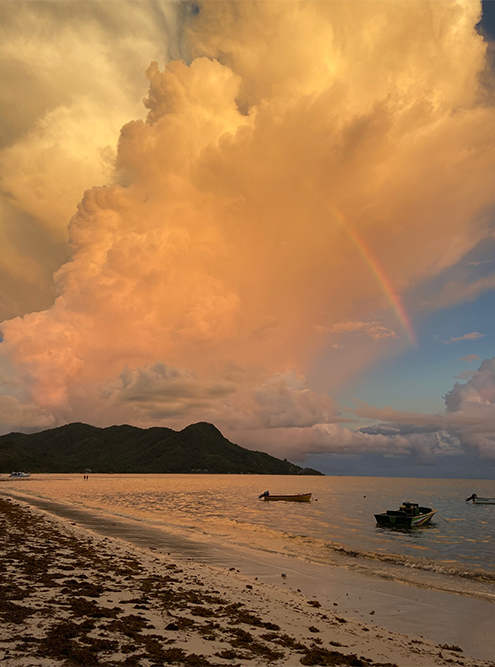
{"type": "Point", "coordinates": [409, 515]}
{"type": "Point", "coordinates": [298, 498]}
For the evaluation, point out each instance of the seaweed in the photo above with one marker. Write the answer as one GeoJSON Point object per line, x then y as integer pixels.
{"type": "Point", "coordinates": [14, 613]}
{"type": "Point", "coordinates": [284, 640]}
{"type": "Point", "coordinates": [316, 655]}
{"type": "Point", "coordinates": [245, 640]}
{"type": "Point", "coordinates": [130, 625]}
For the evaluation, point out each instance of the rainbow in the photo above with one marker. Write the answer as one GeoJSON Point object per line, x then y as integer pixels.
{"type": "Point", "coordinates": [382, 279]}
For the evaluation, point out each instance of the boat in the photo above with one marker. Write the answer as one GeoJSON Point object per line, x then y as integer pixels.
{"type": "Point", "coordinates": [19, 475]}
{"type": "Point", "coordinates": [297, 498]}
{"type": "Point", "coordinates": [479, 500]}
{"type": "Point", "coordinates": [409, 515]}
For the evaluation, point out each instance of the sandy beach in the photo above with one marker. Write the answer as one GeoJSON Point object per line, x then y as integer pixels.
{"type": "Point", "coordinates": [72, 596]}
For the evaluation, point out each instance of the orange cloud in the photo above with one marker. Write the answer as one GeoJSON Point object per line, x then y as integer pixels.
{"type": "Point", "coordinates": [72, 74]}
{"type": "Point", "coordinates": [469, 358]}
{"type": "Point", "coordinates": [375, 330]}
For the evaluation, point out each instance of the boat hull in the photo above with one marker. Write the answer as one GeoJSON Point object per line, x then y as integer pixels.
{"type": "Point", "coordinates": [394, 520]}
{"type": "Point", "coordinates": [484, 501]}
{"type": "Point", "coordinates": [300, 498]}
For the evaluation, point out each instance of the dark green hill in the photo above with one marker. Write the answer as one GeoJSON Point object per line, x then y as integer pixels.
{"type": "Point", "coordinates": [128, 449]}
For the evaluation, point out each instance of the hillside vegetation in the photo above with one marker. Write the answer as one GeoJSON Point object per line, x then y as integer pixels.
{"type": "Point", "coordinates": [128, 449]}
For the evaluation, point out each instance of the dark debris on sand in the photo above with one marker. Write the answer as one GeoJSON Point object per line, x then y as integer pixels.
{"type": "Point", "coordinates": [65, 601]}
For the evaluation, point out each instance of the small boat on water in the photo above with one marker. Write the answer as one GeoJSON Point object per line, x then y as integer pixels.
{"type": "Point", "coordinates": [297, 498]}
{"type": "Point", "coordinates": [479, 500]}
{"type": "Point", "coordinates": [19, 475]}
{"type": "Point", "coordinates": [409, 515]}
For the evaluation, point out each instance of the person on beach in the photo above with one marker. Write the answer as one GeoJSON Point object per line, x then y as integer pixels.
{"type": "Point", "coordinates": [473, 498]}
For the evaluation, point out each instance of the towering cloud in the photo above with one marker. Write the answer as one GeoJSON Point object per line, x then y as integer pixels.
{"type": "Point", "coordinates": [72, 74]}
{"type": "Point", "coordinates": [294, 179]}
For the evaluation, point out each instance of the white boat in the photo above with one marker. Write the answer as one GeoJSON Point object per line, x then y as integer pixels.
{"type": "Point", "coordinates": [19, 475]}
{"type": "Point", "coordinates": [478, 500]}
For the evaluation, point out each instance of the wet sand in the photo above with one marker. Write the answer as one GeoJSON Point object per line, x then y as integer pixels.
{"type": "Point", "coordinates": [111, 592]}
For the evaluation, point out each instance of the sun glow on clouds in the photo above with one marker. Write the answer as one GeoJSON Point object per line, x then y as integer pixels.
{"type": "Point", "coordinates": [72, 75]}
{"type": "Point", "coordinates": [209, 271]}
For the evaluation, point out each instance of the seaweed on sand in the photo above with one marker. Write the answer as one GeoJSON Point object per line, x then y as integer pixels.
{"type": "Point", "coordinates": [316, 655]}
{"type": "Point", "coordinates": [284, 640]}
{"type": "Point", "coordinates": [61, 641]}
{"type": "Point", "coordinates": [245, 640]}
{"type": "Point", "coordinates": [14, 613]}
{"type": "Point", "coordinates": [80, 607]}
{"type": "Point", "coordinates": [129, 626]}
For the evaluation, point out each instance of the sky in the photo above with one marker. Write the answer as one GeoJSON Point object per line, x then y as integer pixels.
{"type": "Point", "coordinates": [274, 216]}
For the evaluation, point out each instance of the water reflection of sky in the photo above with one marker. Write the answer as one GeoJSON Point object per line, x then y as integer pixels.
{"type": "Point", "coordinates": [342, 512]}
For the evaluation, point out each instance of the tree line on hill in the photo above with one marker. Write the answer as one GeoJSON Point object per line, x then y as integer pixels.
{"type": "Point", "coordinates": [128, 449]}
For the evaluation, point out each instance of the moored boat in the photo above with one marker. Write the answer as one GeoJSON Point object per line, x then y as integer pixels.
{"type": "Point", "coordinates": [409, 515]}
{"type": "Point", "coordinates": [297, 498]}
{"type": "Point", "coordinates": [479, 500]}
{"type": "Point", "coordinates": [19, 475]}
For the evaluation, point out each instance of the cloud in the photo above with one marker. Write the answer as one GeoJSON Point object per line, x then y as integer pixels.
{"type": "Point", "coordinates": [14, 415]}
{"type": "Point", "coordinates": [479, 390]}
{"type": "Point", "coordinates": [162, 392]}
{"type": "Point", "coordinates": [375, 330]}
{"type": "Point", "coordinates": [469, 358]}
{"type": "Point", "coordinates": [455, 292]}
{"type": "Point", "coordinates": [481, 263]}
{"type": "Point", "coordinates": [423, 449]}
{"type": "Point", "coordinates": [467, 424]}
{"type": "Point", "coordinates": [72, 75]}
{"type": "Point", "coordinates": [464, 375]}
{"type": "Point", "coordinates": [273, 185]}
{"type": "Point", "coordinates": [234, 403]}
{"type": "Point", "coordinates": [465, 427]}
{"type": "Point", "coordinates": [469, 336]}
{"type": "Point", "coordinates": [285, 400]}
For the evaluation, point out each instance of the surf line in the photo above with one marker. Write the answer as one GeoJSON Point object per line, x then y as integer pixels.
{"type": "Point", "coordinates": [381, 278]}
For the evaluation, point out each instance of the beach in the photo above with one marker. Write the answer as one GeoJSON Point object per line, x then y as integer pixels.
{"type": "Point", "coordinates": [77, 596]}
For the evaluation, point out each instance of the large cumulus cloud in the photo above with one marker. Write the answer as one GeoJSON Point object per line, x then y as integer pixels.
{"type": "Point", "coordinates": [72, 75]}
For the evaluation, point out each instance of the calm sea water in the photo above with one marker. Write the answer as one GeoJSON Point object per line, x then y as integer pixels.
{"type": "Point", "coordinates": [457, 552]}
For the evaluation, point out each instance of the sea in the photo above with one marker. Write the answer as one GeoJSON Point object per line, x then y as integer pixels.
{"type": "Point", "coordinates": [456, 553]}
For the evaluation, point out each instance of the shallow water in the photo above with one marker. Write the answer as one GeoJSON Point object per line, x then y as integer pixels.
{"type": "Point", "coordinates": [457, 552]}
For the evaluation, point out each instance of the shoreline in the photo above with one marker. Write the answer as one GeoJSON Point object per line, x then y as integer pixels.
{"type": "Point", "coordinates": [128, 586]}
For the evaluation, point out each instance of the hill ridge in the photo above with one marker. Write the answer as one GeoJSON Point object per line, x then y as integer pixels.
{"type": "Point", "coordinates": [123, 448]}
